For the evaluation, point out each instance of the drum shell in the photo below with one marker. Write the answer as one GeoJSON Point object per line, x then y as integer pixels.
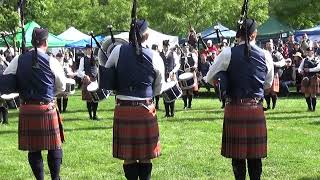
{"type": "Point", "coordinates": [172, 93]}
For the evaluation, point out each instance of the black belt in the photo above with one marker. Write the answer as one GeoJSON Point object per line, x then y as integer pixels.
{"type": "Point", "coordinates": [36, 102]}
{"type": "Point", "coordinates": [244, 101]}
{"type": "Point", "coordinates": [134, 102]}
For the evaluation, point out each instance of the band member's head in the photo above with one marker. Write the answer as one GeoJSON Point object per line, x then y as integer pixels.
{"type": "Point", "coordinates": [297, 57]}
{"type": "Point", "coordinates": [143, 30]}
{"type": "Point", "coordinates": [291, 38]}
{"type": "Point", "coordinates": [209, 43]}
{"type": "Point", "coordinates": [296, 46]}
{"type": "Point", "coordinates": [288, 62]}
{"type": "Point", "coordinates": [40, 38]}
{"type": "Point", "coordinates": [269, 45]}
{"type": "Point", "coordinates": [310, 52]}
{"type": "Point", "coordinates": [248, 28]}
{"type": "Point", "coordinates": [88, 49]}
{"type": "Point", "coordinates": [165, 45]}
{"type": "Point", "coordinates": [59, 57]}
{"type": "Point", "coordinates": [154, 47]}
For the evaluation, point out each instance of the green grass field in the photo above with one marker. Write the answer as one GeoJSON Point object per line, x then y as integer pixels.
{"type": "Point", "coordinates": [190, 143]}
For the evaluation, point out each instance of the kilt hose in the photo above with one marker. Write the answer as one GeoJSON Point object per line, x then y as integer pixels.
{"type": "Point", "coordinates": [244, 132]}
{"type": "Point", "coordinates": [135, 133]}
{"type": "Point", "coordinates": [40, 127]}
{"type": "Point", "coordinates": [275, 83]}
{"type": "Point", "coordinates": [313, 87]}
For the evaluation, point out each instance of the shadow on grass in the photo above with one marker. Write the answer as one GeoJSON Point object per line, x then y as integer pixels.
{"type": "Point", "coordinates": [278, 118]}
{"type": "Point", "coordinates": [315, 123]}
{"type": "Point", "coordinates": [271, 112]}
{"type": "Point", "coordinates": [87, 129]}
{"type": "Point", "coordinates": [199, 119]}
{"type": "Point", "coordinates": [66, 130]}
{"type": "Point", "coordinates": [310, 178]}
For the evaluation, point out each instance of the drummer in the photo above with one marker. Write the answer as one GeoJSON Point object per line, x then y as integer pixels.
{"type": "Point", "coordinates": [171, 66]}
{"type": "Point", "coordinates": [62, 98]}
{"type": "Point", "coordinates": [88, 72]}
{"type": "Point", "coordinates": [188, 63]}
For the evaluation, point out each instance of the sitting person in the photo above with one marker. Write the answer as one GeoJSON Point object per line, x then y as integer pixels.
{"type": "Point", "coordinates": [288, 78]}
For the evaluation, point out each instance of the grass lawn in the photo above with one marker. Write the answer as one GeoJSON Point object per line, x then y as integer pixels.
{"type": "Point", "coordinates": [190, 143]}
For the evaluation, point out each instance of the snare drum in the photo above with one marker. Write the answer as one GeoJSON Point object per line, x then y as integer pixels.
{"type": "Point", "coordinates": [171, 91]}
{"type": "Point", "coordinates": [187, 80]}
{"type": "Point", "coordinates": [96, 93]}
{"type": "Point", "coordinates": [70, 86]}
{"type": "Point", "coordinates": [12, 100]}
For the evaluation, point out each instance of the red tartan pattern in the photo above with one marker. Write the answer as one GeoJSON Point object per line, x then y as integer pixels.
{"type": "Point", "coordinates": [244, 132]}
{"type": "Point", "coordinates": [275, 83]}
{"type": "Point", "coordinates": [39, 128]}
{"type": "Point", "coordinates": [314, 86]}
{"type": "Point", "coordinates": [135, 133]}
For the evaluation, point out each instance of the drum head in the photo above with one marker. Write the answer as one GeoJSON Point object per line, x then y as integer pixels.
{"type": "Point", "coordinates": [70, 81]}
{"type": "Point", "coordinates": [93, 86]}
{"type": "Point", "coordinates": [168, 85]}
{"type": "Point", "coordinates": [10, 96]}
{"type": "Point", "coordinates": [185, 76]}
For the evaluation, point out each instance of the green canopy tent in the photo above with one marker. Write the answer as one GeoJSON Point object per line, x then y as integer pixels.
{"type": "Point", "coordinates": [53, 40]}
{"type": "Point", "coordinates": [272, 28]}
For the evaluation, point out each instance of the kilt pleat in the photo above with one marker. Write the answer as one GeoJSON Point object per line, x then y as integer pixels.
{"type": "Point", "coordinates": [135, 133]}
{"type": "Point", "coordinates": [314, 86]}
{"type": "Point", "coordinates": [244, 132]}
{"type": "Point", "coordinates": [275, 83]}
{"type": "Point", "coordinates": [86, 96]}
{"type": "Point", "coordinates": [39, 128]}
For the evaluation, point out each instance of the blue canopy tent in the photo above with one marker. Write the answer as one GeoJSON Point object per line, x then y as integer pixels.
{"type": "Point", "coordinates": [82, 43]}
{"type": "Point", "coordinates": [210, 33]}
{"type": "Point", "coordinates": [313, 33]}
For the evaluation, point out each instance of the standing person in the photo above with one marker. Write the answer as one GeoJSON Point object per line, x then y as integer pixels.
{"type": "Point", "coordinates": [278, 63]}
{"type": "Point", "coordinates": [244, 135]}
{"type": "Point", "coordinates": [188, 63]}
{"type": "Point", "coordinates": [192, 38]}
{"type": "Point", "coordinates": [296, 61]}
{"type": "Point", "coordinates": [310, 82]}
{"type": "Point", "coordinates": [171, 67]}
{"type": "Point", "coordinates": [38, 78]}
{"type": "Point", "coordinates": [139, 78]}
{"type": "Point", "coordinates": [88, 72]}
{"type": "Point", "coordinates": [3, 104]}
{"type": "Point", "coordinates": [154, 47]}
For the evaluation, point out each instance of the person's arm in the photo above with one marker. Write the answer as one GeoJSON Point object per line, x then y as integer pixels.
{"type": "Point", "coordinates": [12, 67]}
{"type": "Point", "coordinates": [114, 57]}
{"type": "Point", "coordinates": [281, 61]}
{"type": "Point", "coordinates": [270, 70]}
{"type": "Point", "coordinates": [81, 72]}
{"type": "Point", "coordinates": [300, 69]}
{"type": "Point", "coordinates": [159, 69]}
{"type": "Point", "coordinates": [315, 69]}
{"type": "Point", "coordinates": [60, 79]}
{"type": "Point", "coordinates": [176, 62]}
{"type": "Point", "coordinates": [221, 63]}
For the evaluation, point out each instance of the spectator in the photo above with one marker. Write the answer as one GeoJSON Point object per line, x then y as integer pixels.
{"type": "Point", "coordinates": [288, 77]}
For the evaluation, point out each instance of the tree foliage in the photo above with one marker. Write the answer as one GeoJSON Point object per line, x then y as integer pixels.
{"type": "Point", "coordinates": [172, 17]}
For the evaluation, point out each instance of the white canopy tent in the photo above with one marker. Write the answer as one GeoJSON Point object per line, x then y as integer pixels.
{"type": "Point", "coordinates": [155, 37]}
{"type": "Point", "coordinates": [72, 34]}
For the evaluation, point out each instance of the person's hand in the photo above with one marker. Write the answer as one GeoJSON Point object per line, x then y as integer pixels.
{"type": "Point", "coordinates": [86, 79]}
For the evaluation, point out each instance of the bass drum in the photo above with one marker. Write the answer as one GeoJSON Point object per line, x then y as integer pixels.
{"type": "Point", "coordinates": [107, 47]}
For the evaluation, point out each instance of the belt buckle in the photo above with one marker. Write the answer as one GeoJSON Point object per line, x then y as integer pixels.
{"type": "Point", "coordinates": [41, 103]}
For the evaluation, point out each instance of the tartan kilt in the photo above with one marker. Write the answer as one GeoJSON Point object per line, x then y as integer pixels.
{"type": "Point", "coordinates": [135, 133]}
{"type": "Point", "coordinates": [86, 95]}
{"type": "Point", "coordinates": [40, 127]}
{"type": "Point", "coordinates": [313, 87]}
{"type": "Point", "coordinates": [244, 132]}
{"type": "Point", "coordinates": [275, 83]}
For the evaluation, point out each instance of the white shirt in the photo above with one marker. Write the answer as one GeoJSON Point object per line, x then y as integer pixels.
{"type": "Point", "coordinates": [158, 66]}
{"type": "Point", "coordinates": [80, 71]}
{"type": "Point", "coordinates": [281, 59]}
{"type": "Point", "coordinates": [222, 61]}
{"type": "Point", "coordinates": [57, 70]}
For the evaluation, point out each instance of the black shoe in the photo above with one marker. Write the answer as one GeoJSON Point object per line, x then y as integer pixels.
{"type": "Point", "coordinates": [95, 118]}
{"type": "Point", "coordinates": [266, 109]}
{"type": "Point", "coordinates": [172, 115]}
{"type": "Point", "coordinates": [167, 115]}
{"type": "Point", "coordinates": [185, 107]}
{"type": "Point", "coordinates": [189, 107]}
